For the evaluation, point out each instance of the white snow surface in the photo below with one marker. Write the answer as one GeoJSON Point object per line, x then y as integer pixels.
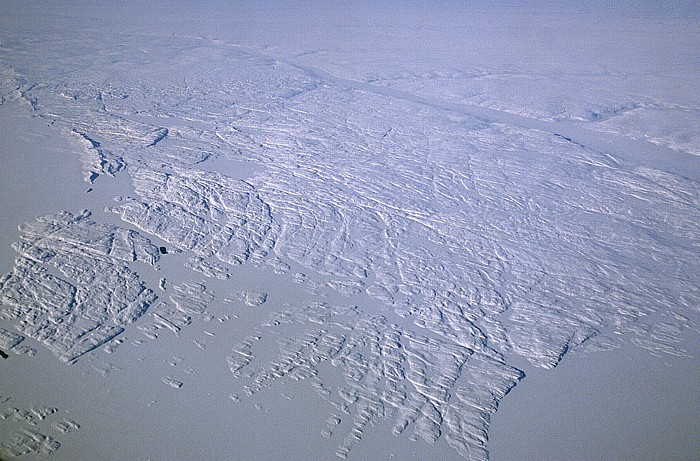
{"type": "Point", "coordinates": [319, 228]}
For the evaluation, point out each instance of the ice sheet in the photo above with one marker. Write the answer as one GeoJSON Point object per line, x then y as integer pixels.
{"type": "Point", "coordinates": [310, 228]}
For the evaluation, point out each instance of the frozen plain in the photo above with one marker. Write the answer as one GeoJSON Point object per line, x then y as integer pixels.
{"type": "Point", "coordinates": [373, 223]}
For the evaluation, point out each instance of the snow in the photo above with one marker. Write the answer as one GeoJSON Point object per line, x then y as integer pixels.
{"type": "Point", "coordinates": [375, 222]}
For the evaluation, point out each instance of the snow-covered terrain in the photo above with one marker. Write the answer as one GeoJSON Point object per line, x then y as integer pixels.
{"type": "Point", "coordinates": [254, 231]}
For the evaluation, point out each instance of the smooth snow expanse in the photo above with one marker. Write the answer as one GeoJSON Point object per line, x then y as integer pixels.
{"type": "Point", "coordinates": [244, 230]}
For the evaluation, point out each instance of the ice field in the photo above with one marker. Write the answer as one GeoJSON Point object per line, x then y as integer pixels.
{"type": "Point", "coordinates": [250, 231]}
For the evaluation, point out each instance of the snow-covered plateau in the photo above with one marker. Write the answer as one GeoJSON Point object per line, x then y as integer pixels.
{"type": "Point", "coordinates": [341, 230]}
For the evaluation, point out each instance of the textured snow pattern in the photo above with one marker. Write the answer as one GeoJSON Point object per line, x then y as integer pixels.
{"type": "Point", "coordinates": [95, 295]}
{"type": "Point", "coordinates": [206, 213]}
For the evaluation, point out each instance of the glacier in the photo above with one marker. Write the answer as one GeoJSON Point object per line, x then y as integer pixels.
{"type": "Point", "coordinates": [375, 222]}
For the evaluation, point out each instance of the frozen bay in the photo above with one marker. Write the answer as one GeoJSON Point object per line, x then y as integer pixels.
{"type": "Point", "coordinates": [341, 232]}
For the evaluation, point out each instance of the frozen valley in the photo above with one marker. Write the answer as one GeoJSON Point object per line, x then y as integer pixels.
{"type": "Point", "coordinates": [339, 232]}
